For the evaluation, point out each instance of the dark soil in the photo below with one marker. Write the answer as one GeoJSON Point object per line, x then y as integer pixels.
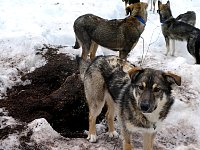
{"type": "Point", "coordinates": [55, 93]}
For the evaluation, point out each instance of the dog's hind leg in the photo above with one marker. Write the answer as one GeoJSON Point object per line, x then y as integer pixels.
{"type": "Point", "coordinates": [154, 5]}
{"type": "Point", "coordinates": [197, 48]}
{"type": "Point", "coordinates": [86, 44]}
{"type": "Point", "coordinates": [148, 141]}
{"type": "Point", "coordinates": [173, 47]}
{"type": "Point", "coordinates": [85, 40]}
{"type": "Point", "coordinates": [150, 1]}
{"type": "Point", "coordinates": [77, 45]}
{"type": "Point", "coordinates": [110, 115]}
{"type": "Point", "coordinates": [124, 52]}
{"type": "Point", "coordinates": [93, 50]}
{"type": "Point", "coordinates": [197, 54]}
{"type": "Point", "coordinates": [191, 47]}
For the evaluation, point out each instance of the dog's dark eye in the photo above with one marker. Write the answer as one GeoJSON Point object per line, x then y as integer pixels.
{"type": "Point", "coordinates": [140, 87]}
{"type": "Point", "coordinates": [158, 11]}
{"type": "Point", "coordinates": [156, 89]}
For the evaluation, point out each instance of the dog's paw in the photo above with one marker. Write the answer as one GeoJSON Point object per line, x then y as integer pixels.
{"type": "Point", "coordinates": [113, 134]}
{"type": "Point", "coordinates": [92, 138]}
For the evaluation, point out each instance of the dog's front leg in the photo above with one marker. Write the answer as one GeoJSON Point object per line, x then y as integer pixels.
{"type": "Point", "coordinates": [151, 4]}
{"type": "Point", "coordinates": [167, 44]}
{"type": "Point", "coordinates": [92, 137]}
{"type": "Point", "coordinates": [148, 140]}
{"type": "Point", "coordinates": [126, 140]}
{"type": "Point", "coordinates": [154, 5]}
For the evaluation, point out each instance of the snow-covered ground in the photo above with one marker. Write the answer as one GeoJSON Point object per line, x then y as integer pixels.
{"type": "Point", "coordinates": [26, 25]}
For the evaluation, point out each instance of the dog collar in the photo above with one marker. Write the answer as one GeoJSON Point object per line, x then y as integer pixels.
{"type": "Point", "coordinates": [140, 19]}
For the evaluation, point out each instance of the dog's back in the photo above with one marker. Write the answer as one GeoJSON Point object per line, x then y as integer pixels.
{"type": "Point", "coordinates": [105, 64]}
{"type": "Point", "coordinates": [188, 17]}
{"type": "Point", "coordinates": [117, 34]}
{"type": "Point", "coordinates": [178, 30]}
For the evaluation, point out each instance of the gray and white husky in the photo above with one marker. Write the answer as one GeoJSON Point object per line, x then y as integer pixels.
{"type": "Point", "coordinates": [174, 29]}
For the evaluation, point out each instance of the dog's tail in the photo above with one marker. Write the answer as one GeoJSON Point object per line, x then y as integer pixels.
{"type": "Point", "coordinates": [77, 45]}
{"type": "Point", "coordinates": [83, 65]}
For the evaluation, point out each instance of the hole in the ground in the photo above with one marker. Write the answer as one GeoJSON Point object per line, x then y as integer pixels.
{"type": "Point", "coordinates": [56, 94]}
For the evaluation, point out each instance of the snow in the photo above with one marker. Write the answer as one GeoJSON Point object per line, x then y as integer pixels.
{"type": "Point", "coordinates": [26, 25]}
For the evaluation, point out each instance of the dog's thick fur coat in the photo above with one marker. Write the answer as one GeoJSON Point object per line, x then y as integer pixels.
{"type": "Point", "coordinates": [141, 97]}
{"type": "Point", "coordinates": [178, 30]}
{"type": "Point", "coordinates": [119, 34]}
{"type": "Point", "coordinates": [188, 17]}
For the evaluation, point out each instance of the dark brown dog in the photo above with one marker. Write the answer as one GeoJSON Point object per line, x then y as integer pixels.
{"type": "Point", "coordinates": [119, 34]}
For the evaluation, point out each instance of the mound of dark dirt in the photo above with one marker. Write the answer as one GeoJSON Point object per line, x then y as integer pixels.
{"type": "Point", "coordinates": [55, 93]}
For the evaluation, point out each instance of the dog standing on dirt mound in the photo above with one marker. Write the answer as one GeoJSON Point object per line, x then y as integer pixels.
{"type": "Point", "coordinates": [140, 97]}
{"type": "Point", "coordinates": [118, 34]}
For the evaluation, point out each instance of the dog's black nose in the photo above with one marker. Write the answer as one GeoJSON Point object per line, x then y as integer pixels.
{"type": "Point", "coordinates": [144, 106]}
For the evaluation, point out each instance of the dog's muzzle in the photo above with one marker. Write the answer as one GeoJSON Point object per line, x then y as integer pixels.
{"type": "Point", "coordinates": [144, 106]}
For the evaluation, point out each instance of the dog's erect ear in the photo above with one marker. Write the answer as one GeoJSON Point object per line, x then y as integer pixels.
{"type": "Point", "coordinates": [172, 78]}
{"type": "Point", "coordinates": [134, 72]}
{"type": "Point", "coordinates": [168, 3]}
{"type": "Point", "coordinates": [132, 9]}
{"type": "Point", "coordinates": [145, 5]}
{"type": "Point", "coordinates": [128, 10]}
{"type": "Point", "coordinates": [141, 6]}
{"type": "Point", "coordinates": [159, 3]}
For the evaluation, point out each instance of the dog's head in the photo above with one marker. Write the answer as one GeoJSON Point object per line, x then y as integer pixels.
{"type": "Point", "coordinates": [136, 9]}
{"type": "Point", "coordinates": [152, 88]}
{"type": "Point", "coordinates": [164, 11]}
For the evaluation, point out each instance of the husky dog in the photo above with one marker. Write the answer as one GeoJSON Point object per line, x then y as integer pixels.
{"type": "Point", "coordinates": [141, 97]}
{"type": "Point", "coordinates": [130, 2]}
{"type": "Point", "coordinates": [178, 30]}
{"type": "Point", "coordinates": [119, 34]}
{"type": "Point", "coordinates": [188, 17]}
